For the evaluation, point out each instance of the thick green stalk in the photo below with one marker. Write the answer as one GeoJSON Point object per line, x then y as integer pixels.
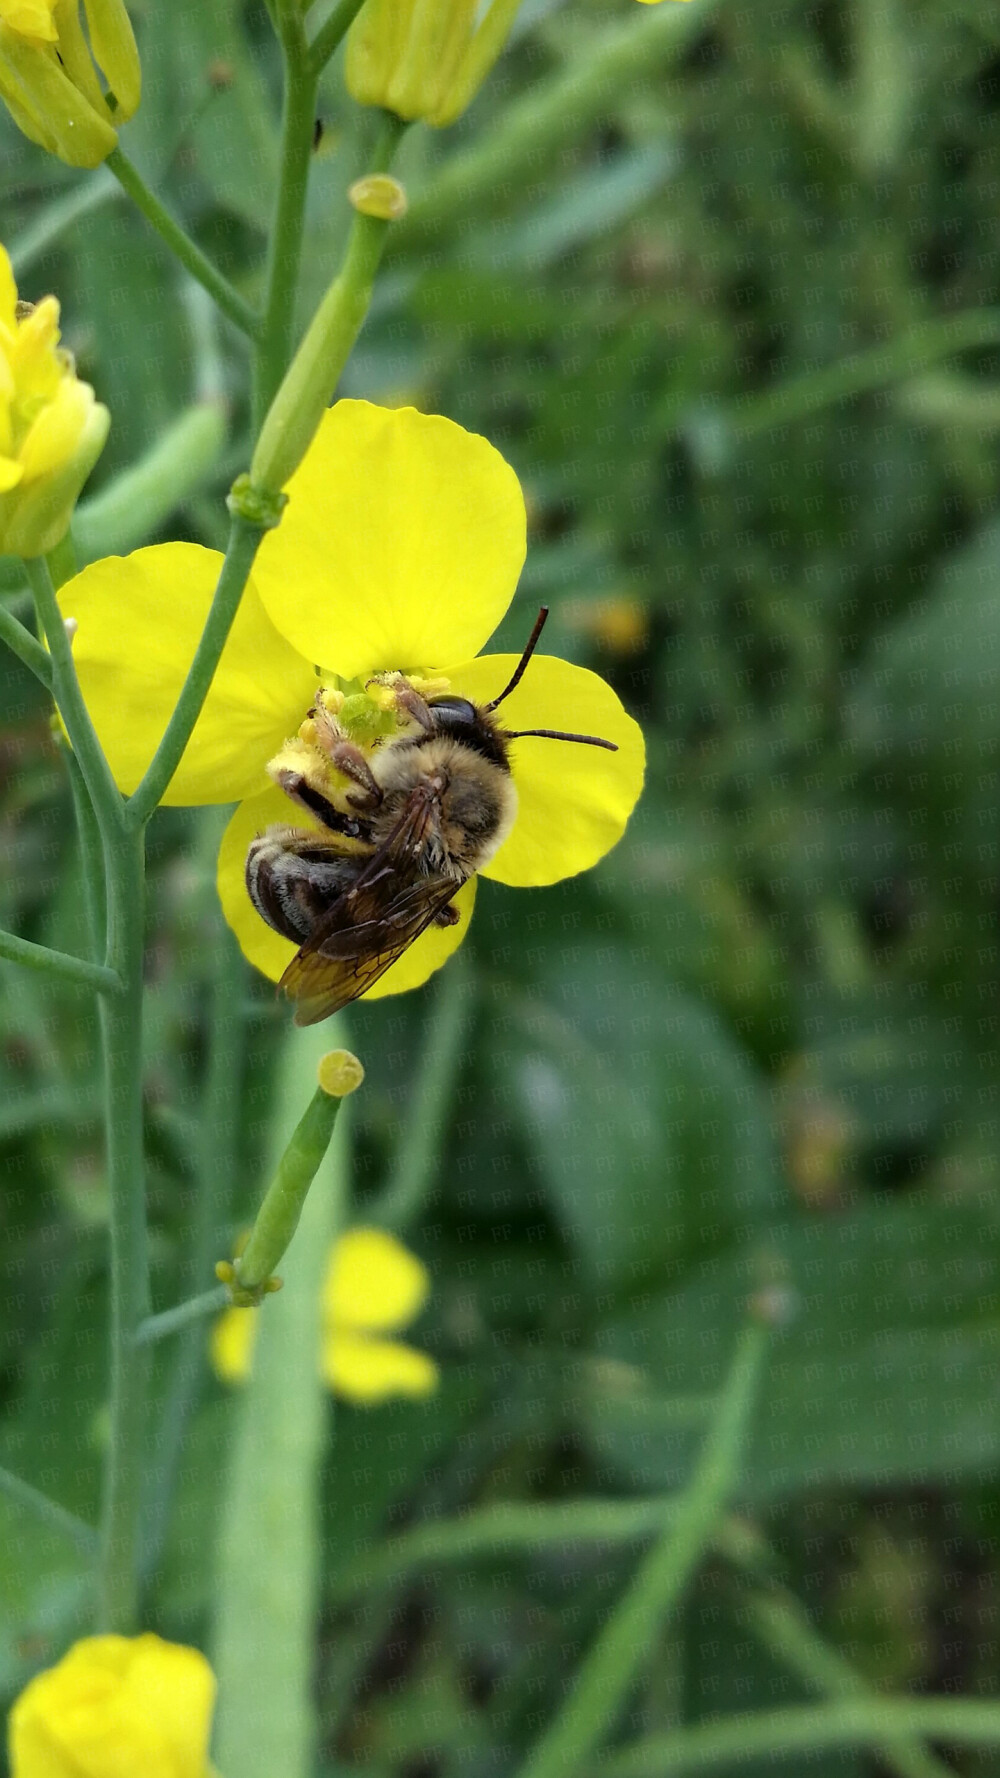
{"type": "Point", "coordinates": [601, 1685]}
{"type": "Point", "coordinates": [244, 541]}
{"type": "Point", "coordinates": [181, 245]}
{"type": "Point", "coordinates": [121, 1033]}
{"type": "Point", "coordinates": [806, 1728]}
{"type": "Point", "coordinates": [59, 964]}
{"type": "Point", "coordinates": [285, 245]}
{"type": "Point", "coordinates": [266, 1592]}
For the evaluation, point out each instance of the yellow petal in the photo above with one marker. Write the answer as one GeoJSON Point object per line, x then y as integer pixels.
{"type": "Point", "coordinates": [8, 294]}
{"type": "Point", "coordinates": [30, 18]}
{"type": "Point", "coordinates": [10, 474]}
{"type": "Point", "coordinates": [270, 953]}
{"type": "Point", "coordinates": [573, 800]}
{"type": "Point", "coordinates": [231, 1343]}
{"type": "Point", "coordinates": [140, 617]}
{"type": "Point", "coordinates": [56, 430]}
{"type": "Point", "coordinates": [373, 1283]}
{"type": "Point", "coordinates": [116, 1705]}
{"type": "Point", "coordinates": [400, 546]}
{"type": "Point", "coordinates": [370, 1371]}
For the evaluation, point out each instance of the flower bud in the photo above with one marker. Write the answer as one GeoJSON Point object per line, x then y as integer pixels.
{"type": "Point", "coordinates": [116, 1704]}
{"type": "Point", "coordinates": [340, 1073]}
{"type": "Point", "coordinates": [52, 430]}
{"type": "Point", "coordinates": [49, 74]}
{"type": "Point", "coordinates": [425, 58]}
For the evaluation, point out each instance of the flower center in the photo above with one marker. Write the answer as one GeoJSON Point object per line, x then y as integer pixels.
{"type": "Point", "coordinates": [364, 716]}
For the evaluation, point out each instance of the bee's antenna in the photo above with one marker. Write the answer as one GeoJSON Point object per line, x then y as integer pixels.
{"type": "Point", "coordinates": [529, 650]}
{"type": "Point", "coordinates": [558, 734]}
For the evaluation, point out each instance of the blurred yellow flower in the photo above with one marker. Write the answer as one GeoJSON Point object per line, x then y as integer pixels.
{"type": "Point", "coordinates": [49, 74]}
{"type": "Point", "coordinates": [400, 549]}
{"type": "Point", "coordinates": [374, 1286]}
{"type": "Point", "coordinates": [421, 60]}
{"type": "Point", "coordinates": [51, 428]}
{"type": "Point", "coordinates": [116, 1707]}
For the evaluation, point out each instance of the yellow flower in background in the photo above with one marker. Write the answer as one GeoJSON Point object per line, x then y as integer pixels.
{"type": "Point", "coordinates": [425, 60]}
{"type": "Point", "coordinates": [49, 74]}
{"type": "Point", "coordinates": [400, 549]}
{"type": "Point", "coordinates": [116, 1707]}
{"type": "Point", "coordinates": [51, 428]}
{"type": "Point", "coordinates": [373, 1287]}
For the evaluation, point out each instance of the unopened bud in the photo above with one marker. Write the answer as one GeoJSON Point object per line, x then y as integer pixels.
{"type": "Point", "coordinates": [380, 195]}
{"type": "Point", "coordinates": [340, 1073]}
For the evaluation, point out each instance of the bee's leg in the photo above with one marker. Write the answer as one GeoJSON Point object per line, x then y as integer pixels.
{"type": "Point", "coordinates": [447, 916]}
{"type": "Point", "coordinates": [414, 705]}
{"type": "Point", "coordinates": [351, 761]}
{"type": "Point", "coordinates": [296, 785]}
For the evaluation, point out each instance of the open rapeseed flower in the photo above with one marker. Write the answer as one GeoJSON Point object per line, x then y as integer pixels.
{"type": "Point", "coordinates": [425, 61]}
{"type": "Point", "coordinates": [116, 1706]}
{"type": "Point", "coordinates": [374, 1286]}
{"type": "Point", "coordinates": [400, 549]}
{"type": "Point", "coordinates": [49, 74]}
{"type": "Point", "coordinates": [51, 428]}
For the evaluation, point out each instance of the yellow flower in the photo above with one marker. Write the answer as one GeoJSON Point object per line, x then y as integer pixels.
{"type": "Point", "coordinates": [51, 428]}
{"type": "Point", "coordinates": [374, 1286]}
{"type": "Point", "coordinates": [425, 58]}
{"type": "Point", "coordinates": [400, 549]}
{"type": "Point", "coordinates": [116, 1707]}
{"type": "Point", "coordinates": [49, 74]}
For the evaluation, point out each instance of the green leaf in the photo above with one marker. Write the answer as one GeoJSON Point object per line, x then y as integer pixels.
{"type": "Point", "coordinates": [887, 1370]}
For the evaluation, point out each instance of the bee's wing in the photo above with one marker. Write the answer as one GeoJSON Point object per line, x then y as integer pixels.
{"type": "Point", "coordinates": [370, 925]}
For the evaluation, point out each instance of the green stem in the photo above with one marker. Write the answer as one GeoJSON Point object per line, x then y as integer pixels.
{"type": "Point", "coordinates": [779, 1622]}
{"type": "Point", "coordinates": [91, 857]}
{"type": "Point", "coordinates": [21, 642]}
{"type": "Point", "coordinates": [419, 1148]}
{"type": "Point", "coordinates": [100, 784]}
{"type": "Point", "coordinates": [181, 244]}
{"type": "Point", "coordinates": [330, 35]}
{"type": "Point", "coordinates": [507, 1528]}
{"type": "Point", "coordinates": [312, 377]}
{"type": "Point", "coordinates": [806, 1728]}
{"type": "Point", "coordinates": [121, 1031]}
{"type": "Point", "coordinates": [182, 1315]}
{"type": "Point", "coordinates": [601, 1685]}
{"type": "Point", "coordinates": [59, 964]}
{"type": "Point", "coordinates": [244, 541]}
{"type": "Point", "coordinates": [34, 1501]}
{"type": "Point", "coordinates": [285, 247]}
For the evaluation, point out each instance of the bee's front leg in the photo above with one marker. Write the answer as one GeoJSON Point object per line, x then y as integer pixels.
{"type": "Point", "coordinates": [350, 760]}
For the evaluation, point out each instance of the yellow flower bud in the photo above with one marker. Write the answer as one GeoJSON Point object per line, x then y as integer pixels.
{"type": "Point", "coordinates": [52, 430]}
{"type": "Point", "coordinates": [49, 74]}
{"type": "Point", "coordinates": [115, 1704]}
{"type": "Point", "coordinates": [378, 194]}
{"type": "Point", "coordinates": [340, 1073]}
{"type": "Point", "coordinates": [425, 58]}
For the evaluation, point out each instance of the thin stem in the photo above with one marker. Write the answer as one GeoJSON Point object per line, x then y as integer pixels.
{"type": "Point", "coordinates": [779, 1622]}
{"type": "Point", "coordinates": [84, 1536]}
{"type": "Point", "coordinates": [169, 1321]}
{"type": "Point", "coordinates": [419, 1148]}
{"type": "Point", "coordinates": [91, 857]}
{"type": "Point", "coordinates": [805, 1728]}
{"type": "Point", "coordinates": [508, 1528]}
{"type": "Point", "coordinates": [602, 1683]}
{"type": "Point", "coordinates": [61, 559]}
{"type": "Point", "coordinates": [285, 247]}
{"type": "Point", "coordinates": [121, 1032]}
{"type": "Point", "coordinates": [97, 776]}
{"type": "Point", "coordinates": [331, 34]}
{"type": "Point", "coordinates": [21, 642]}
{"type": "Point", "coordinates": [181, 245]}
{"type": "Point", "coordinates": [244, 540]}
{"type": "Point", "coordinates": [60, 964]}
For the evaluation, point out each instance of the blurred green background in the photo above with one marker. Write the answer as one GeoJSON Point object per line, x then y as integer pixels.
{"type": "Point", "coordinates": [726, 307]}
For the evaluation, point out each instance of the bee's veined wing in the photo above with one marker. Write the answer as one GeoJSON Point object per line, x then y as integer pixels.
{"type": "Point", "coordinates": [370, 925]}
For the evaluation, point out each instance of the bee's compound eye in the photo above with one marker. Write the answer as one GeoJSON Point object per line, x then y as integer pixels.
{"type": "Point", "coordinates": [453, 712]}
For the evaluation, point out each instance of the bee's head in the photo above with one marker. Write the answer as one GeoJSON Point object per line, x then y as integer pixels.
{"type": "Point", "coordinates": [454, 716]}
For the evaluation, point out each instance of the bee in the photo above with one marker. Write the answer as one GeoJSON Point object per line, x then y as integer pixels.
{"type": "Point", "coordinates": [425, 811]}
